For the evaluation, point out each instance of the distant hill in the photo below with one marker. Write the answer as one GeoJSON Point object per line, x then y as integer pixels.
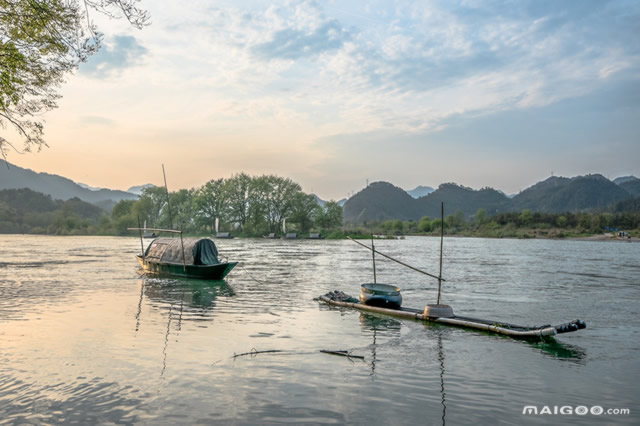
{"type": "Point", "coordinates": [380, 201]}
{"type": "Point", "coordinates": [622, 179]}
{"type": "Point", "coordinates": [383, 201]}
{"type": "Point", "coordinates": [58, 187]}
{"type": "Point", "coordinates": [631, 205]}
{"type": "Point", "coordinates": [89, 187]}
{"type": "Point", "coordinates": [420, 191]}
{"type": "Point", "coordinates": [560, 194]}
{"type": "Point", "coordinates": [139, 188]}
{"type": "Point", "coordinates": [320, 201]}
{"type": "Point", "coordinates": [27, 201]}
{"type": "Point", "coordinates": [632, 186]}
{"type": "Point", "coordinates": [26, 211]}
{"type": "Point", "coordinates": [467, 200]}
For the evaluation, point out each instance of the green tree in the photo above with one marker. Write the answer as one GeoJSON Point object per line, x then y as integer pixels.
{"type": "Point", "coordinates": [526, 217]}
{"type": "Point", "coordinates": [279, 193]}
{"type": "Point", "coordinates": [425, 224]}
{"type": "Point", "coordinates": [387, 226]}
{"type": "Point", "coordinates": [42, 41]}
{"type": "Point", "coordinates": [182, 209]}
{"type": "Point", "coordinates": [561, 221]}
{"type": "Point", "coordinates": [456, 220]}
{"type": "Point", "coordinates": [437, 224]}
{"type": "Point", "coordinates": [210, 202]}
{"type": "Point", "coordinates": [258, 194]}
{"type": "Point", "coordinates": [480, 217]}
{"type": "Point", "coordinates": [152, 206]}
{"type": "Point", "coordinates": [122, 208]}
{"type": "Point", "coordinates": [303, 210]}
{"type": "Point", "coordinates": [329, 216]}
{"type": "Point", "coordinates": [104, 225]}
{"type": "Point", "coordinates": [236, 193]}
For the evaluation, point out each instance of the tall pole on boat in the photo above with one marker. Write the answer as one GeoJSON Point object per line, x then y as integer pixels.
{"type": "Point", "coordinates": [166, 188]}
{"type": "Point", "coordinates": [184, 262]}
{"type": "Point", "coordinates": [373, 252]}
{"type": "Point", "coordinates": [441, 243]}
{"type": "Point", "coordinates": [141, 243]}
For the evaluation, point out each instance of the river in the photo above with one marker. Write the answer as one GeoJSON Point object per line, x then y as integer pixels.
{"type": "Point", "coordinates": [85, 338]}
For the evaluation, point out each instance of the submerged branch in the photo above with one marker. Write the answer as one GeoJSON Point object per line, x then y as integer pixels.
{"type": "Point", "coordinates": [342, 353]}
{"type": "Point", "coordinates": [253, 351]}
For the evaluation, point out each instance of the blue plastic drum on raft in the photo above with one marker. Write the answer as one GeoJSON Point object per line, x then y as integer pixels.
{"type": "Point", "coordinates": [382, 295]}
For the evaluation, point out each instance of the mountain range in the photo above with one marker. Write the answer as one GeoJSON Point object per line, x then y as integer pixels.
{"type": "Point", "coordinates": [420, 191]}
{"type": "Point", "coordinates": [58, 187]}
{"type": "Point", "coordinates": [382, 201]}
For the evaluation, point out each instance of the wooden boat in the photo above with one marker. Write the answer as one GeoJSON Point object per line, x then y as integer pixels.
{"type": "Point", "coordinates": [512, 330]}
{"type": "Point", "coordinates": [315, 236]}
{"type": "Point", "coordinates": [182, 257]}
{"type": "Point", "coordinates": [185, 257]}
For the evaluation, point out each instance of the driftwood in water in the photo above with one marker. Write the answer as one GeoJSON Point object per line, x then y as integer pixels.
{"type": "Point", "coordinates": [324, 351]}
{"type": "Point", "coordinates": [342, 353]}
{"type": "Point", "coordinates": [255, 352]}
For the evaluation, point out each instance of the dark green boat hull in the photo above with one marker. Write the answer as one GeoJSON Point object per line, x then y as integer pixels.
{"type": "Point", "coordinates": [202, 272]}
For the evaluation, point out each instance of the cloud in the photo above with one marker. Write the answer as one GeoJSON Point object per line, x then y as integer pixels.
{"type": "Point", "coordinates": [294, 44]}
{"type": "Point", "coordinates": [334, 72]}
{"type": "Point", "coordinates": [574, 136]}
{"type": "Point", "coordinates": [124, 52]}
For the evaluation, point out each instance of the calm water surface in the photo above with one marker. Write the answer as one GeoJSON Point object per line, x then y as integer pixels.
{"type": "Point", "coordinates": [84, 338]}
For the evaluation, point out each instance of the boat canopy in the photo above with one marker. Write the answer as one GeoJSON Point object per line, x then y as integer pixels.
{"type": "Point", "coordinates": [197, 251]}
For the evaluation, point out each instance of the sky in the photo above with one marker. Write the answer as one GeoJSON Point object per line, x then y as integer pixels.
{"type": "Point", "coordinates": [333, 94]}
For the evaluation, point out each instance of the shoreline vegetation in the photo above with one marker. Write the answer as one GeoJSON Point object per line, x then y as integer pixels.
{"type": "Point", "coordinates": [252, 207]}
{"type": "Point", "coordinates": [526, 224]}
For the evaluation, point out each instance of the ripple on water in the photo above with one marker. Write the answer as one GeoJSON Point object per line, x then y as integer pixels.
{"type": "Point", "coordinates": [81, 402]}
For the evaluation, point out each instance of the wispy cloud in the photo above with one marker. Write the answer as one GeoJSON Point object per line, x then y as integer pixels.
{"type": "Point", "coordinates": [123, 52]}
{"type": "Point", "coordinates": [418, 64]}
{"type": "Point", "coordinates": [293, 44]}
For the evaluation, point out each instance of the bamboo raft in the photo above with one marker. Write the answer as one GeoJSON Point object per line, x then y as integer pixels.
{"type": "Point", "coordinates": [512, 330]}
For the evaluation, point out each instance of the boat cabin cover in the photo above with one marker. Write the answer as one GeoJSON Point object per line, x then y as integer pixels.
{"type": "Point", "coordinates": [197, 251]}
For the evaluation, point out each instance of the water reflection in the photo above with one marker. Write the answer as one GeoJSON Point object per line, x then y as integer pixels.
{"type": "Point", "coordinates": [559, 350]}
{"type": "Point", "coordinates": [196, 297]}
{"type": "Point", "coordinates": [387, 326]}
{"type": "Point", "coordinates": [199, 294]}
{"type": "Point", "coordinates": [441, 361]}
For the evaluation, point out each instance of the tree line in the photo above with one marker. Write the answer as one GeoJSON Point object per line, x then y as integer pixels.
{"type": "Point", "coordinates": [23, 211]}
{"type": "Point", "coordinates": [246, 205]}
{"type": "Point", "coordinates": [524, 224]}
{"type": "Point", "coordinates": [253, 206]}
